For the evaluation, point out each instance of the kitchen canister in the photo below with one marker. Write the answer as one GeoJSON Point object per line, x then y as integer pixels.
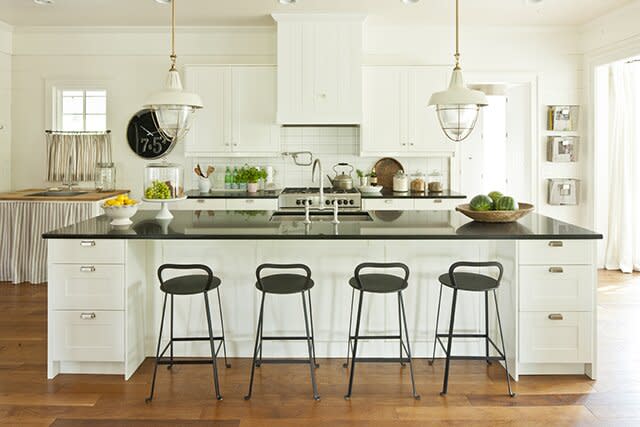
{"type": "Point", "coordinates": [400, 182]}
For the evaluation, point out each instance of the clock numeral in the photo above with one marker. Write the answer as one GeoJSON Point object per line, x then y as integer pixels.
{"type": "Point", "coordinates": [157, 144]}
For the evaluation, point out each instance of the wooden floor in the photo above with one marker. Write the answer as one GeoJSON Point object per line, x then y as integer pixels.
{"type": "Point", "coordinates": [282, 394]}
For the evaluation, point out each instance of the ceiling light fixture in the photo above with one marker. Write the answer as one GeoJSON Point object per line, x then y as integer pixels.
{"type": "Point", "coordinates": [410, 1]}
{"type": "Point", "coordinates": [173, 107]}
{"type": "Point", "coordinates": [287, 1]}
{"type": "Point", "coordinates": [163, 1]}
{"type": "Point", "coordinates": [458, 107]}
{"type": "Point", "coordinates": [43, 2]}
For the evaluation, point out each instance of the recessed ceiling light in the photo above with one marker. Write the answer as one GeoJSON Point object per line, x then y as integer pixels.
{"type": "Point", "coordinates": [410, 1]}
{"type": "Point", "coordinates": [163, 1]}
{"type": "Point", "coordinates": [43, 2]}
{"type": "Point", "coordinates": [287, 1]}
{"type": "Point", "coordinates": [533, 1]}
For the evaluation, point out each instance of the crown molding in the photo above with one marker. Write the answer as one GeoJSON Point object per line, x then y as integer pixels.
{"type": "Point", "coordinates": [142, 29]}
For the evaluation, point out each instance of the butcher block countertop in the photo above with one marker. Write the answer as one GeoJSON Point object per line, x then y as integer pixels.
{"type": "Point", "coordinates": [90, 195]}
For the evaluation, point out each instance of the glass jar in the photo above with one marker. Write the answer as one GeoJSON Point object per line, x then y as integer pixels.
{"type": "Point", "coordinates": [105, 177]}
{"type": "Point", "coordinates": [163, 181]}
{"type": "Point", "coordinates": [435, 182]}
{"type": "Point", "coordinates": [418, 183]}
{"type": "Point", "coordinates": [400, 182]}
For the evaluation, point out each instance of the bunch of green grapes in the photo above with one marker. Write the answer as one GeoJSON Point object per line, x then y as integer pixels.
{"type": "Point", "coordinates": [158, 190]}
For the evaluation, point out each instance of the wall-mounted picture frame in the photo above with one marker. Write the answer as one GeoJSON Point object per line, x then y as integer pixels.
{"type": "Point", "coordinates": [562, 148]}
{"type": "Point", "coordinates": [563, 118]}
{"type": "Point", "coordinates": [563, 191]}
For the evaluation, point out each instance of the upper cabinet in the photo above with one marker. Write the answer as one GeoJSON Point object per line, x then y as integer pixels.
{"type": "Point", "coordinates": [319, 69]}
{"type": "Point", "coordinates": [238, 118]}
{"type": "Point", "coordinates": [397, 120]}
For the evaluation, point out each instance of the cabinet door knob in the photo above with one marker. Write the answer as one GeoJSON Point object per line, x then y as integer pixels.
{"type": "Point", "coordinates": [411, 144]}
{"type": "Point", "coordinates": [556, 270]}
{"type": "Point", "coordinates": [250, 200]}
{"type": "Point", "coordinates": [556, 244]}
{"type": "Point", "coordinates": [87, 316]}
{"type": "Point", "coordinates": [200, 201]}
{"type": "Point", "coordinates": [87, 269]}
{"type": "Point", "coordinates": [556, 316]}
{"type": "Point", "coordinates": [87, 243]}
{"type": "Point", "coordinates": [404, 144]}
{"type": "Point", "coordinates": [437, 201]}
{"type": "Point", "coordinates": [388, 201]}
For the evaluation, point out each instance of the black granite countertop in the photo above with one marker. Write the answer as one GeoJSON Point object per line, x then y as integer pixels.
{"type": "Point", "coordinates": [237, 194]}
{"type": "Point", "coordinates": [382, 225]}
{"type": "Point", "coordinates": [389, 194]}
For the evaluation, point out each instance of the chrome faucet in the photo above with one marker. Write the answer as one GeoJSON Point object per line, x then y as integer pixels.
{"type": "Point", "coordinates": [318, 163]}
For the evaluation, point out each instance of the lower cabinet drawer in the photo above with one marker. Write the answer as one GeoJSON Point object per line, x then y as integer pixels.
{"type": "Point", "coordinates": [98, 286]}
{"type": "Point", "coordinates": [387, 204]}
{"type": "Point", "coordinates": [199, 205]}
{"type": "Point", "coordinates": [562, 337]}
{"type": "Point", "coordinates": [95, 251]}
{"type": "Point", "coordinates": [557, 287]}
{"type": "Point", "coordinates": [89, 336]}
{"type": "Point", "coordinates": [252, 204]}
{"type": "Point", "coordinates": [565, 252]}
{"type": "Point", "coordinates": [437, 204]}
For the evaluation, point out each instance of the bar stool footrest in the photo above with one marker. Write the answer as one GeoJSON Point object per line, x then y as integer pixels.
{"type": "Point", "coordinates": [176, 361]}
{"type": "Point", "coordinates": [295, 338]}
{"type": "Point", "coordinates": [382, 360]}
{"type": "Point", "coordinates": [376, 337]}
{"type": "Point", "coordinates": [284, 361]}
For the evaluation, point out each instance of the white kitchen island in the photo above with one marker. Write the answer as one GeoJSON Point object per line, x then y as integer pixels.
{"type": "Point", "coordinates": [105, 302]}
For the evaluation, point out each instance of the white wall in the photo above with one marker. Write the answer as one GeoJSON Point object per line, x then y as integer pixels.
{"type": "Point", "coordinates": [5, 106]}
{"type": "Point", "coordinates": [134, 62]}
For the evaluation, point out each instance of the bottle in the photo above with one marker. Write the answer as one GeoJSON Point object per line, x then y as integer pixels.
{"type": "Point", "coordinates": [373, 179]}
{"type": "Point", "coordinates": [234, 179]}
{"type": "Point", "coordinates": [227, 178]}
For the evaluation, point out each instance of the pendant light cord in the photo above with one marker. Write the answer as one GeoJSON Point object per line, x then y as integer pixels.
{"type": "Point", "coordinates": [457, 55]}
{"type": "Point", "coordinates": [173, 36]}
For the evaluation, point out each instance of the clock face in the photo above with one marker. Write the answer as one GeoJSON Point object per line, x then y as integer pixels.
{"type": "Point", "coordinates": [144, 137]}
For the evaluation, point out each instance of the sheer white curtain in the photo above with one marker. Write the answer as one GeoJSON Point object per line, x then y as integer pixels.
{"type": "Point", "coordinates": [623, 238]}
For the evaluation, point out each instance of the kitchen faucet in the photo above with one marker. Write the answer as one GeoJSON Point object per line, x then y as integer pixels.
{"type": "Point", "coordinates": [318, 163]}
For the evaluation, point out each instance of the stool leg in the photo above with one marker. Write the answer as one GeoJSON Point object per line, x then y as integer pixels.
{"type": "Point", "coordinates": [224, 341]}
{"type": "Point", "coordinates": [408, 349]}
{"type": "Point", "coordinates": [255, 350]}
{"type": "Point", "coordinates": [355, 346]}
{"type": "Point", "coordinates": [313, 336]}
{"type": "Point", "coordinates": [504, 351]}
{"type": "Point", "coordinates": [155, 368]}
{"type": "Point", "coordinates": [400, 328]}
{"type": "Point", "coordinates": [213, 347]}
{"type": "Point", "coordinates": [171, 325]}
{"type": "Point", "coordinates": [486, 324]}
{"type": "Point", "coordinates": [349, 348]}
{"type": "Point", "coordinates": [445, 386]}
{"type": "Point", "coordinates": [435, 339]}
{"type": "Point", "coordinates": [259, 361]}
{"type": "Point", "coordinates": [309, 339]}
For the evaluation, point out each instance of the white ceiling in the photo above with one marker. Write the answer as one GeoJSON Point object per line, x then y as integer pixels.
{"type": "Point", "coordinates": [256, 12]}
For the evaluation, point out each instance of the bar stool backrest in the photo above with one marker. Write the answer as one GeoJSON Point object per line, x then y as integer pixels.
{"type": "Point", "coordinates": [202, 267]}
{"type": "Point", "coordinates": [261, 267]}
{"type": "Point", "coordinates": [461, 264]}
{"type": "Point", "coordinates": [380, 265]}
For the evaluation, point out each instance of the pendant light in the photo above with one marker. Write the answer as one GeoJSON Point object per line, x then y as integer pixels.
{"type": "Point", "coordinates": [173, 107]}
{"type": "Point", "coordinates": [458, 107]}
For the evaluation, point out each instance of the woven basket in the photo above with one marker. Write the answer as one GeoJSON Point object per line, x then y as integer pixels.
{"type": "Point", "coordinates": [496, 216]}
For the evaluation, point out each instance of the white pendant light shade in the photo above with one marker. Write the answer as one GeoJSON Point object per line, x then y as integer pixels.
{"type": "Point", "coordinates": [458, 107]}
{"type": "Point", "coordinates": [174, 108]}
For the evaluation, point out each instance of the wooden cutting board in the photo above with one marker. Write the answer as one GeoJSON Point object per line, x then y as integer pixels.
{"type": "Point", "coordinates": [385, 169]}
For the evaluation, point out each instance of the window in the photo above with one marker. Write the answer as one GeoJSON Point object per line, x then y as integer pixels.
{"type": "Point", "coordinates": [81, 110]}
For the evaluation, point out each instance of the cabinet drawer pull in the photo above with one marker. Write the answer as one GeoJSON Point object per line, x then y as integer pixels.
{"type": "Point", "coordinates": [250, 201]}
{"type": "Point", "coordinates": [556, 244]}
{"type": "Point", "coordinates": [87, 316]}
{"type": "Point", "coordinates": [87, 243]}
{"type": "Point", "coordinates": [388, 201]}
{"type": "Point", "coordinates": [556, 316]}
{"type": "Point", "coordinates": [437, 201]}
{"type": "Point", "coordinates": [200, 201]}
{"type": "Point", "coordinates": [556, 270]}
{"type": "Point", "coordinates": [87, 269]}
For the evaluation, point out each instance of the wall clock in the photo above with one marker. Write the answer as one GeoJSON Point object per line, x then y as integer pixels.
{"type": "Point", "coordinates": [144, 137]}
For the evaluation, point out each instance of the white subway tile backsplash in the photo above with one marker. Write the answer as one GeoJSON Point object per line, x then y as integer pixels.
{"type": "Point", "coordinates": [330, 144]}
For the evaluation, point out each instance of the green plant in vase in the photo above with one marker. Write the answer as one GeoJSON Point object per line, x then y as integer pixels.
{"type": "Point", "coordinates": [251, 175]}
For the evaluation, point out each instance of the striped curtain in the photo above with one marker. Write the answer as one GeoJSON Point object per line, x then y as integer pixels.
{"type": "Point", "coordinates": [72, 156]}
{"type": "Point", "coordinates": [23, 251]}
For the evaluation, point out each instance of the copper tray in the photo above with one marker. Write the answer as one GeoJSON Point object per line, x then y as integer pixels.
{"type": "Point", "coordinates": [385, 169]}
{"type": "Point", "coordinates": [496, 216]}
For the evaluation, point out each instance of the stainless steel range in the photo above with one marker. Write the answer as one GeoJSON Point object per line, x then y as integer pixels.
{"type": "Point", "coordinates": [297, 198]}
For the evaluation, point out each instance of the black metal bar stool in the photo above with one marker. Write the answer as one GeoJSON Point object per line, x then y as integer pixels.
{"type": "Point", "coordinates": [192, 284]}
{"type": "Point", "coordinates": [470, 282]}
{"type": "Point", "coordinates": [285, 284]}
{"type": "Point", "coordinates": [379, 283]}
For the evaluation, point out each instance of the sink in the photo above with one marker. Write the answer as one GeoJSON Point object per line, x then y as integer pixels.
{"type": "Point", "coordinates": [321, 216]}
{"type": "Point", "coordinates": [57, 194]}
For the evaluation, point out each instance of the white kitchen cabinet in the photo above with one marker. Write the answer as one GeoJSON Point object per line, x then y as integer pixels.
{"type": "Point", "coordinates": [396, 118]}
{"type": "Point", "coordinates": [238, 118]}
{"type": "Point", "coordinates": [199, 205]}
{"type": "Point", "coordinates": [319, 68]}
{"type": "Point", "coordinates": [252, 204]}
{"type": "Point", "coordinates": [409, 204]}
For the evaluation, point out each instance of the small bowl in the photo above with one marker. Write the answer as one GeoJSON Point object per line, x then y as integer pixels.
{"type": "Point", "coordinates": [370, 188]}
{"type": "Point", "coordinates": [120, 215]}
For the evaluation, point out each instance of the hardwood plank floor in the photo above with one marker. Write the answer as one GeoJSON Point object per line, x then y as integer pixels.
{"type": "Point", "coordinates": [282, 394]}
